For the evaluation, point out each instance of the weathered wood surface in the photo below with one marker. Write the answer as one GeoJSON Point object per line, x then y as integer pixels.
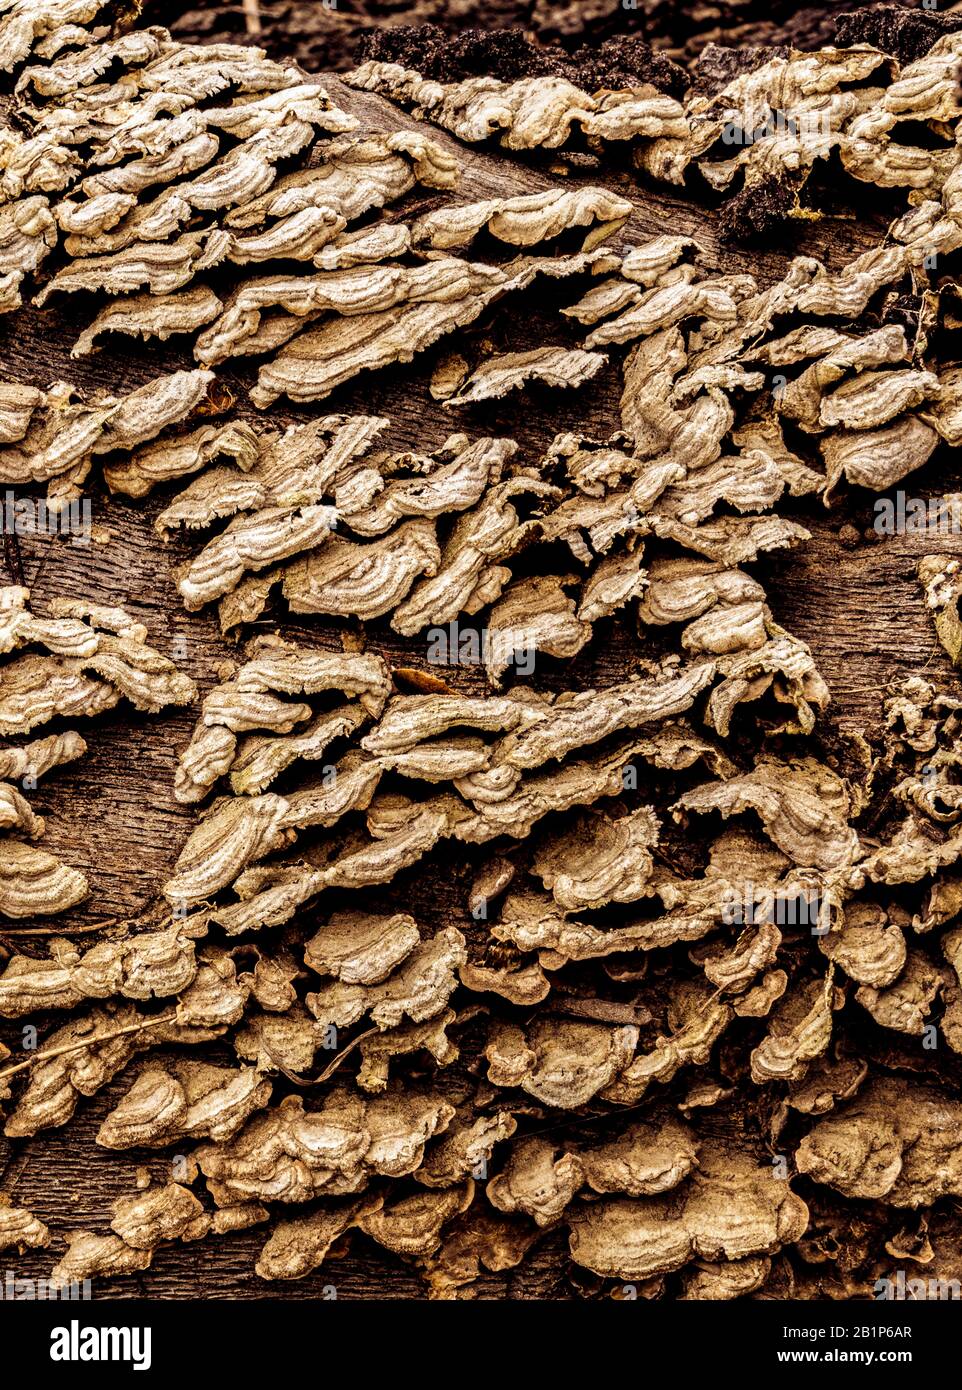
{"type": "Point", "coordinates": [114, 816]}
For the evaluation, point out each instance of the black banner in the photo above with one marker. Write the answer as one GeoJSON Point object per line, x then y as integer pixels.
{"type": "Point", "coordinates": [103, 1339]}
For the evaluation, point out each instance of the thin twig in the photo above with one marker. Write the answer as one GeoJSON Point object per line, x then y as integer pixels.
{"type": "Point", "coordinates": [63, 931]}
{"type": "Point", "coordinates": [328, 1071]}
{"type": "Point", "coordinates": [93, 1041]}
{"type": "Point", "coordinates": [252, 16]}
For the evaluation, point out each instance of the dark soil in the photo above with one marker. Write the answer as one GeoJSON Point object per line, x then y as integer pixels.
{"type": "Point", "coordinates": [608, 41]}
{"type": "Point", "coordinates": [627, 60]}
{"type": "Point", "coordinates": [906, 34]}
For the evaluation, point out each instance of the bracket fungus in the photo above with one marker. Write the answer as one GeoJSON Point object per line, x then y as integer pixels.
{"type": "Point", "coordinates": [528, 884]}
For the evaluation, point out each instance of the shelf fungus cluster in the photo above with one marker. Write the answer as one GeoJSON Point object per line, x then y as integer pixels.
{"type": "Point", "coordinates": [552, 1060]}
{"type": "Point", "coordinates": [638, 966]}
{"type": "Point", "coordinates": [757, 138]}
{"type": "Point", "coordinates": [418, 769]}
{"type": "Point", "coordinates": [661, 517]}
{"type": "Point", "coordinates": [211, 193]}
{"type": "Point", "coordinates": [78, 662]}
{"type": "Point", "coordinates": [57, 436]}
